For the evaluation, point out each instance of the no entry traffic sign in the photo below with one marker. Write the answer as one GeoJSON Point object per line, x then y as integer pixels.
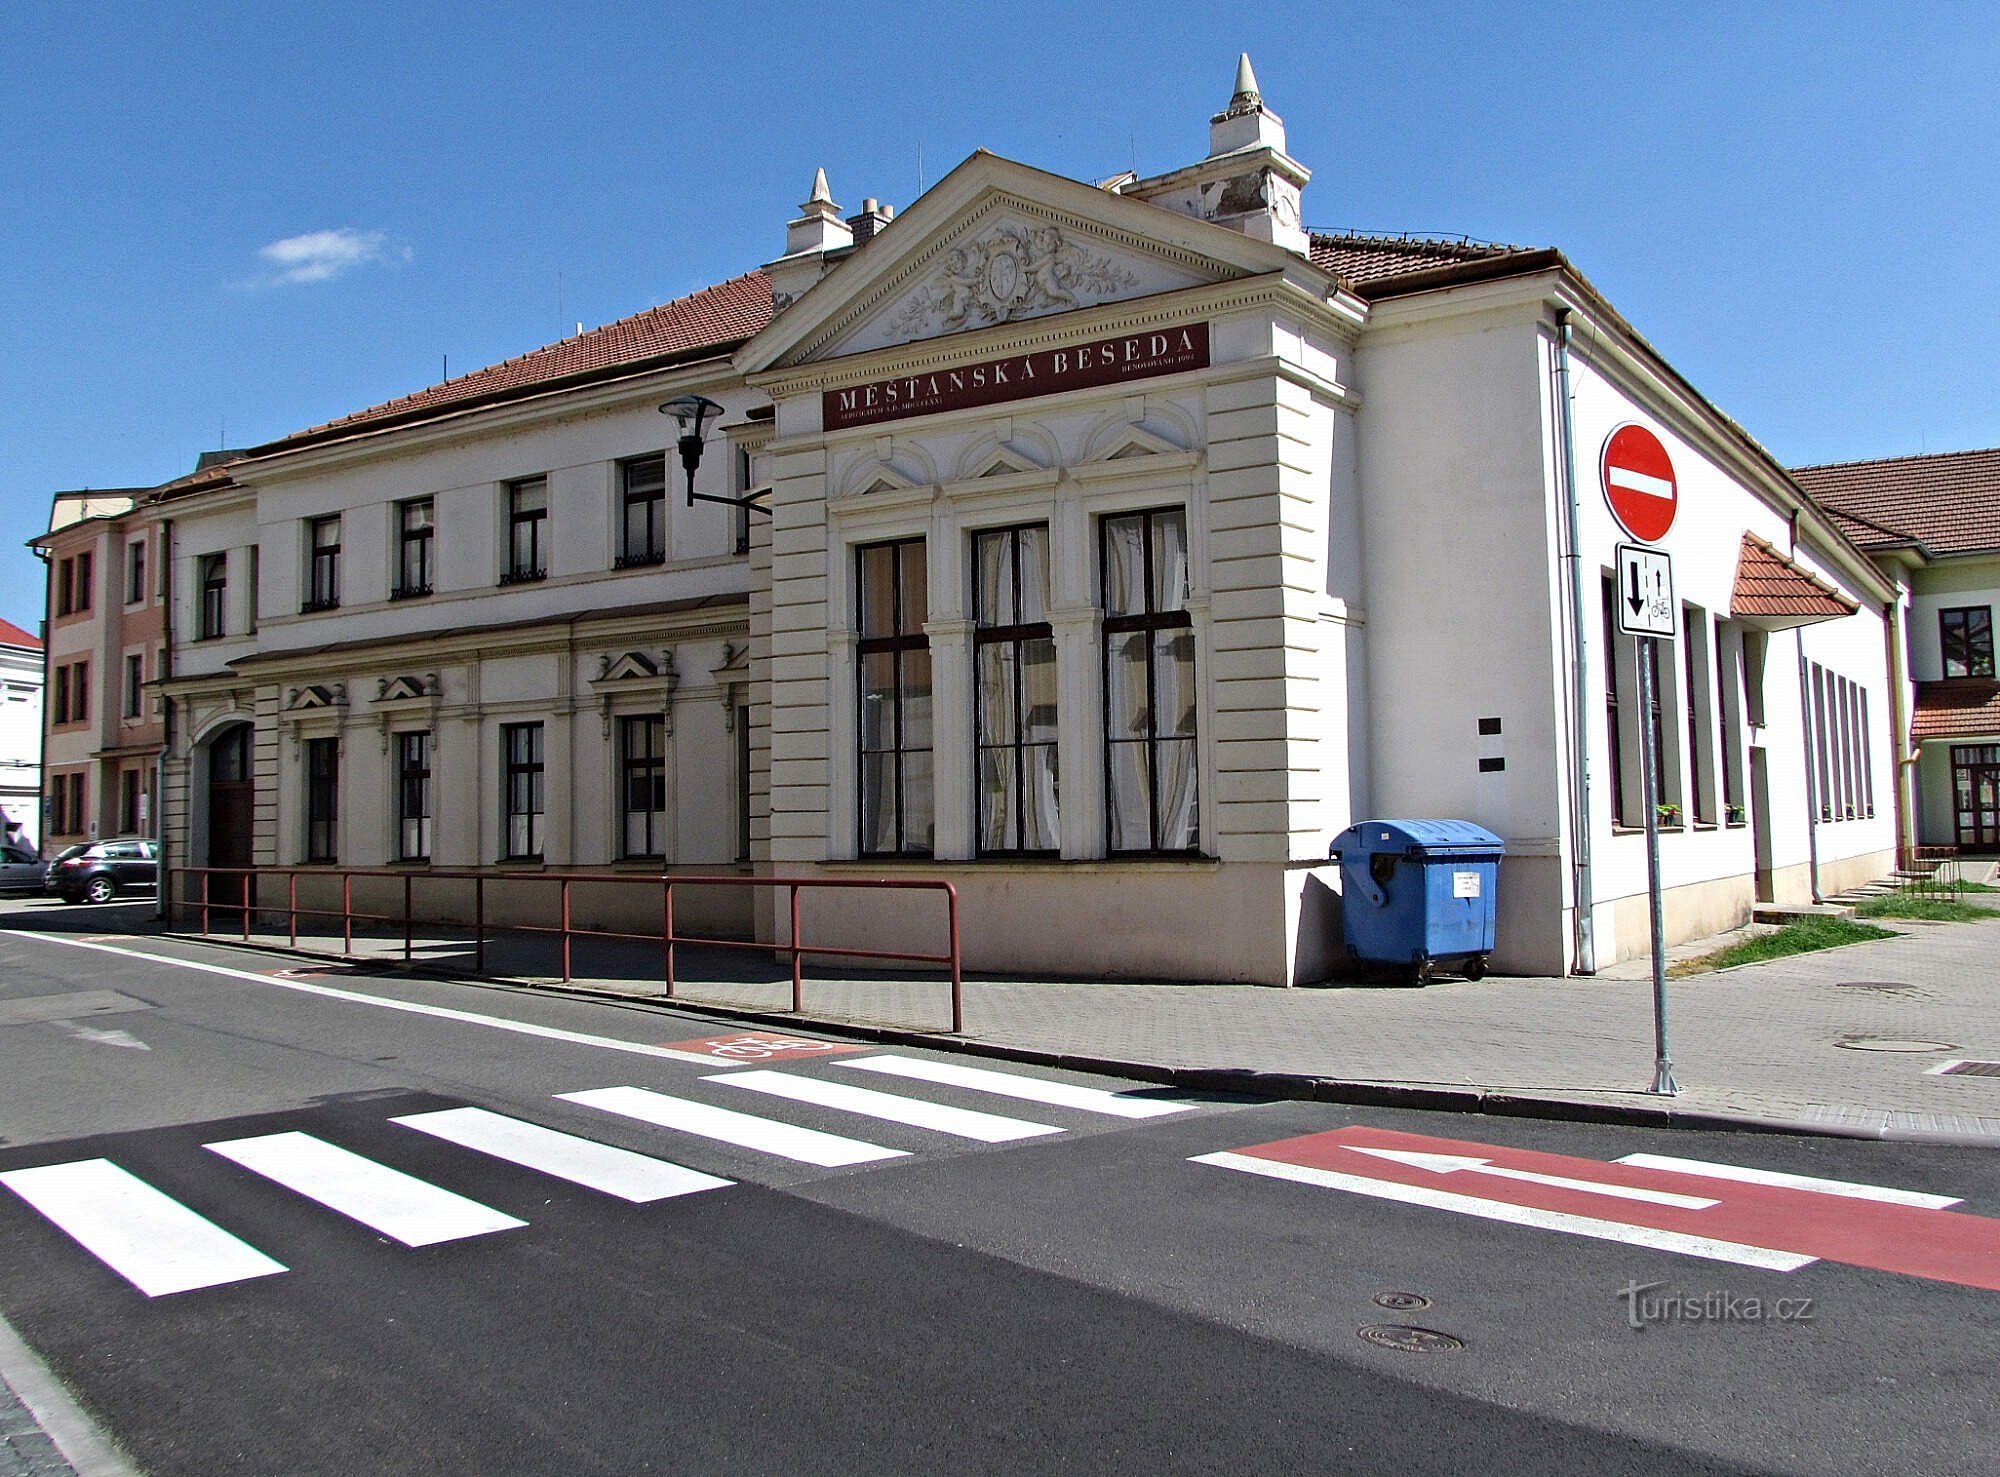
{"type": "Point", "coordinates": [1639, 482]}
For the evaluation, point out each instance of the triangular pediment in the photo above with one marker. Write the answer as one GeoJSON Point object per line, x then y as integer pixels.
{"type": "Point", "coordinates": [405, 689]}
{"type": "Point", "coordinates": [633, 666]}
{"type": "Point", "coordinates": [317, 696]}
{"type": "Point", "coordinates": [995, 243]}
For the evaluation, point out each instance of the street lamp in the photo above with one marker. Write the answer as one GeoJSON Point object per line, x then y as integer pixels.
{"type": "Point", "coordinates": [696, 413]}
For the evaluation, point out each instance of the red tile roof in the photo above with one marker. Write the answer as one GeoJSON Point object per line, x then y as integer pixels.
{"type": "Point", "coordinates": [1363, 261]}
{"type": "Point", "coordinates": [1768, 584]}
{"type": "Point", "coordinates": [1961, 707]}
{"type": "Point", "coordinates": [13, 635]}
{"type": "Point", "coordinates": [713, 319]}
{"type": "Point", "coordinates": [1949, 502]}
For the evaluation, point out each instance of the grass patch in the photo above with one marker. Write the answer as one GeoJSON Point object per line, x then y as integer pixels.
{"type": "Point", "coordinates": [1802, 937]}
{"type": "Point", "coordinates": [1928, 909]}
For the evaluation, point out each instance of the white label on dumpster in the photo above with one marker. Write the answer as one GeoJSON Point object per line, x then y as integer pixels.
{"type": "Point", "coordinates": [1465, 884]}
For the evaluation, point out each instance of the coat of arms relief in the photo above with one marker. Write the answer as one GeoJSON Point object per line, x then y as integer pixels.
{"type": "Point", "coordinates": [1015, 271]}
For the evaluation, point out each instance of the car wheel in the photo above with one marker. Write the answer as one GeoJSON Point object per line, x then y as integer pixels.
{"type": "Point", "coordinates": [99, 889]}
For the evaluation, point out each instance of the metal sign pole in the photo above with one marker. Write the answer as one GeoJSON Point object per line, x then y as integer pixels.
{"type": "Point", "coordinates": [1649, 764]}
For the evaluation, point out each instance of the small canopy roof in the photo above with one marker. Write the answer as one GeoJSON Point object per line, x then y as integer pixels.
{"type": "Point", "coordinates": [1774, 594]}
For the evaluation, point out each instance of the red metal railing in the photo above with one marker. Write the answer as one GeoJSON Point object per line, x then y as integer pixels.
{"type": "Point", "coordinates": [240, 881]}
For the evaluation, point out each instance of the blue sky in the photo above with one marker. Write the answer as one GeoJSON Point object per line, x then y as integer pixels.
{"type": "Point", "coordinates": [225, 222]}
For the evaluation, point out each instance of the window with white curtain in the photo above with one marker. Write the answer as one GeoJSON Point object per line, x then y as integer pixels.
{"type": "Point", "coordinates": [1149, 684]}
{"type": "Point", "coordinates": [1014, 654]}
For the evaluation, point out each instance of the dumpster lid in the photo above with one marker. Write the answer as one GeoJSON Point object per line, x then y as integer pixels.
{"type": "Point", "coordinates": [1435, 837]}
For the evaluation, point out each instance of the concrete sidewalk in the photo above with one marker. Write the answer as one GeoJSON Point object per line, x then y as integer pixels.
{"type": "Point", "coordinates": [1837, 1041]}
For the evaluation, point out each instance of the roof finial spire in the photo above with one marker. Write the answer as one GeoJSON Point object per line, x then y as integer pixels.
{"type": "Point", "coordinates": [820, 190]}
{"type": "Point", "coordinates": [1246, 83]}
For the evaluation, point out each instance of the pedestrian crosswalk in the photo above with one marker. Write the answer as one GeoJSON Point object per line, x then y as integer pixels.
{"type": "Point", "coordinates": [162, 1246]}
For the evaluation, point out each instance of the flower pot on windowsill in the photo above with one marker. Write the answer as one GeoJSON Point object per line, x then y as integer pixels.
{"type": "Point", "coordinates": [1734, 815]}
{"type": "Point", "coordinates": [1667, 815]}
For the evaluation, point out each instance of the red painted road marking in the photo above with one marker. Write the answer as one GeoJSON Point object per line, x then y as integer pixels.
{"type": "Point", "coordinates": [1914, 1241]}
{"type": "Point", "coordinates": [759, 1046]}
{"type": "Point", "coordinates": [1639, 482]}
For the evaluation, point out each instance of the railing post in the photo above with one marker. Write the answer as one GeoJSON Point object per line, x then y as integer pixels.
{"type": "Point", "coordinates": [292, 905]}
{"type": "Point", "coordinates": [667, 917]}
{"type": "Point", "coordinates": [957, 975]}
{"type": "Point", "coordinates": [347, 912]}
{"type": "Point", "coordinates": [204, 901]}
{"type": "Point", "coordinates": [479, 924]}
{"type": "Point", "coordinates": [406, 917]}
{"type": "Point", "coordinates": [565, 929]}
{"type": "Point", "coordinates": [244, 896]}
{"type": "Point", "coordinates": [798, 978]}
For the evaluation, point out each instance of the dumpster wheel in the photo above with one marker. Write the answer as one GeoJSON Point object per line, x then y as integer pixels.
{"type": "Point", "coordinates": [1475, 967]}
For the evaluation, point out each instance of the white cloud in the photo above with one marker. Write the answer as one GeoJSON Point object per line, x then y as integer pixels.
{"type": "Point", "coordinates": [321, 256]}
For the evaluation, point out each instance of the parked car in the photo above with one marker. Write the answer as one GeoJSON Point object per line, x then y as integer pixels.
{"type": "Point", "coordinates": [49, 867]}
{"type": "Point", "coordinates": [20, 869]}
{"type": "Point", "coordinates": [104, 869]}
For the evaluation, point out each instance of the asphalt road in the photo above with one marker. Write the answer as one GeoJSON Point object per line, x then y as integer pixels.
{"type": "Point", "coordinates": [1076, 1292]}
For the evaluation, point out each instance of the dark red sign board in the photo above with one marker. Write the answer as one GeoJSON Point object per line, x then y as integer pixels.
{"type": "Point", "coordinates": [1639, 482]}
{"type": "Point", "coordinates": [1127, 356]}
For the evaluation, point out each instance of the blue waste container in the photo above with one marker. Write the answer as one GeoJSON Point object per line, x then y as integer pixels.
{"type": "Point", "coordinates": [1415, 893]}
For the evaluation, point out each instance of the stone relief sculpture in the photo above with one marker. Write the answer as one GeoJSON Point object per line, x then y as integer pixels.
{"type": "Point", "coordinates": [1015, 271]}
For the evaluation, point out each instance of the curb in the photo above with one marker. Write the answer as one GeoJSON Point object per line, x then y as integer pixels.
{"type": "Point", "coordinates": [80, 1441]}
{"type": "Point", "coordinates": [1243, 1081]}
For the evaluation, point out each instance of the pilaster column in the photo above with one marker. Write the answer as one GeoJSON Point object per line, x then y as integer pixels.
{"type": "Point", "coordinates": [952, 763]}
{"type": "Point", "coordinates": [1079, 729]}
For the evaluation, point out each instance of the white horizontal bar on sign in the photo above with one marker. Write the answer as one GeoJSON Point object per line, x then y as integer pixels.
{"type": "Point", "coordinates": [400, 1206]}
{"type": "Point", "coordinates": [638, 1178]}
{"type": "Point", "coordinates": [150, 1239]}
{"type": "Point", "coordinates": [965, 1123]}
{"type": "Point", "coordinates": [1709, 1247]}
{"type": "Point", "coordinates": [1638, 482]}
{"type": "Point", "coordinates": [745, 1130]}
{"type": "Point", "coordinates": [1741, 1175]}
{"type": "Point", "coordinates": [1007, 1084]}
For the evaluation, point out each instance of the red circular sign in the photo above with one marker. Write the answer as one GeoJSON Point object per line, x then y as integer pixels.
{"type": "Point", "coordinates": [1638, 478]}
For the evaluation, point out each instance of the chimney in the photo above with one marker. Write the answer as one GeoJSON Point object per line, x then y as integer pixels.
{"type": "Point", "coordinates": [1248, 182]}
{"type": "Point", "coordinates": [874, 216]}
{"type": "Point", "coordinates": [817, 231]}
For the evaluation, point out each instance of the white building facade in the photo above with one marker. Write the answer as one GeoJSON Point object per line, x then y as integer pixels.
{"type": "Point", "coordinates": [1122, 545]}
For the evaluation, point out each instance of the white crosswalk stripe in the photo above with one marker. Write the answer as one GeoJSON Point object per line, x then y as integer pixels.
{"type": "Point", "coordinates": [150, 1239]}
{"type": "Point", "coordinates": [638, 1178]}
{"type": "Point", "coordinates": [401, 1206]}
{"type": "Point", "coordinates": [968, 1123]}
{"type": "Point", "coordinates": [1008, 1084]}
{"type": "Point", "coordinates": [745, 1130]}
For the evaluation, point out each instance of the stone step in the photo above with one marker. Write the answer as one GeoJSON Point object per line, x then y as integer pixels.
{"type": "Point", "coordinates": [1794, 912]}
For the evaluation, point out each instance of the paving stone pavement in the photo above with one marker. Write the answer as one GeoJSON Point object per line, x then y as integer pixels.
{"type": "Point", "coordinates": [25, 1449]}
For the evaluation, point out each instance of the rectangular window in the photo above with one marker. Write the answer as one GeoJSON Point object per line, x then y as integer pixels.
{"type": "Point", "coordinates": [643, 500]}
{"type": "Point", "coordinates": [65, 586]}
{"type": "Point", "coordinates": [250, 593]}
{"type": "Point", "coordinates": [135, 683]}
{"type": "Point", "coordinates": [413, 796]}
{"type": "Point", "coordinates": [129, 820]}
{"type": "Point", "coordinates": [1975, 786]}
{"type": "Point", "coordinates": [895, 707]}
{"type": "Point", "coordinates": [1149, 684]}
{"type": "Point", "coordinates": [214, 596]}
{"type": "Point", "coordinates": [323, 568]}
{"type": "Point", "coordinates": [59, 805]}
{"type": "Point", "coordinates": [322, 797]}
{"type": "Point", "coordinates": [521, 757]}
{"type": "Point", "coordinates": [1822, 740]}
{"type": "Point", "coordinates": [1700, 760]}
{"type": "Point", "coordinates": [642, 785]}
{"type": "Point", "coordinates": [1867, 760]}
{"type": "Point", "coordinates": [527, 531]}
{"type": "Point", "coordinates": [79, 692]}
{"type": "Point", "coordinates": [742, 461]}
{"type": "Point", "coordinates": [1966, 633]}
{"type": "Point", "coordinates": [83, 580]}
{"type": "Point", "coordinates": [60, 708]}
{"type": "Point", "coordinates": [135, 571]}
{"type": "Point", "coordinates": [1014, 705]}
{"type": "Point", "coordinates": [416, 523]}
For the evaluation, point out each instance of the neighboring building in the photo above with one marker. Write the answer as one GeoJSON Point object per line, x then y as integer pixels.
{"type": "Point", "coordinates": [105, 646]}
{"type": "Point", "coordinates": [1125, 543]}
{"type": "Point", "coordinates": [1934, 523]}
{"type": "Point", "coordinates": [20, 733]}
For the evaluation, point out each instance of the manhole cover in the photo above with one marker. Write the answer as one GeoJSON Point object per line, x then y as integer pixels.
{"type": "Point", "coordinates": [1891, 1043]}
{"type": "Point", "coordinates": [1406, 1339]}
{"type": "Point", "coordinates": [1401, 1302]}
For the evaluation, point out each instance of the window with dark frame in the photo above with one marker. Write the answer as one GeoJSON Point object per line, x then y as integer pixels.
{"type": "Point", "coordinates": [1726, 688]}
{"type": "Point", "coordinates": [128, 801]}
{"type": "Point", "coordinates": [1014, 703]}
{"type": "Point", "coordinates": [1966, 634]}
{"type": "Point", "coordinates": [742, 460]}
{"type": "Point", "coordinates": [135, 571]}
{"type": "Point", "coordinates": [60, 708]}
{"type": "Point", "coordinates": [642, 786]}
{"type": "Point", "coordinates": [65, 587]}
{"type": "Point", "coordinates": [521, 758]}
{"type": "Point", "coordinates": [1692, 622]}
{"type": "Point", "coordinates": [643, 511]}
{"type": "Point", "coordinates": [1614, 748]}
{"type": "Point", "coordinates": [1867, 760]}
{"type": "Point", "coordinates": [323, 569]}
{"type": "Point", "coordinates": [135, 683]}
{"type": "Point", "coordinates": [413, 796]}
{"type": "Point", "coordinates": [1820, 687]}
{"type": "Point", "coordinates": [84, 580]}
{"type": "Point", "coordinates": [322, 797]}
{"type": "Point", "coordinates": [527, 531]}
{"type": "Point", "coordinates": [894, 676]}
{"type": "Point", "coordinates": [214, 596]}
{"type": "Point", "coordinates": [1150, 759]}
{"type": "Point", "coordinates": [416, 522]}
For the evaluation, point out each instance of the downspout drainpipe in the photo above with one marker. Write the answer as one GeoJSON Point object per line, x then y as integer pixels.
{"type": "Point", "coordinates": [1812, 775]}
{"type": "Point", "coordinates": [1899, 730]}
{"type": "Point", "coordinates": [1581, 888]}
{"type": "Point", "coordinates": [166, 578]}
{"type": "Point", "coordinates": [42, 756]}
